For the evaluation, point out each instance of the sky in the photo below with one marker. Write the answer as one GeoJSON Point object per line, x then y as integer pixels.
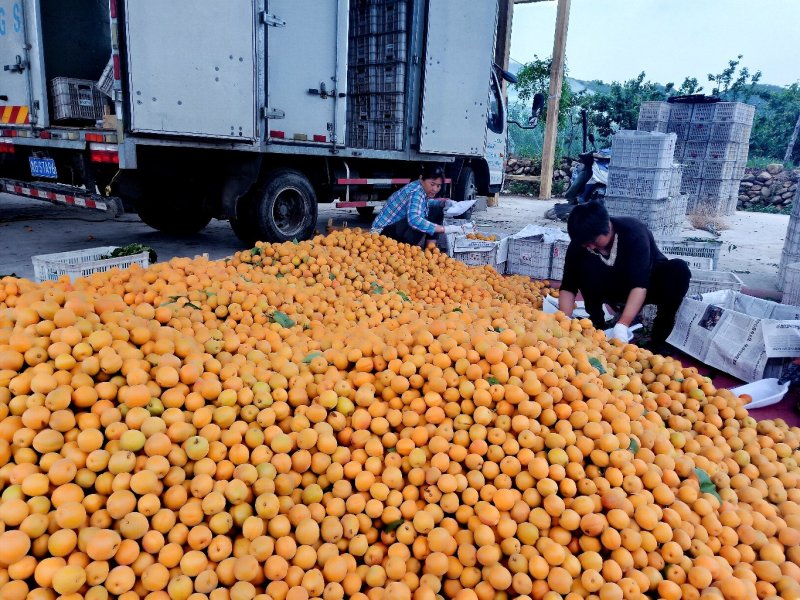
{"type": "Point", "coordinates": [615, 40]}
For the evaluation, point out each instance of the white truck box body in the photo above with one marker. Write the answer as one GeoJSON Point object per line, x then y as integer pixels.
{"type": "Point", "coordinates": [458, 69]}
{"type": "Point", "coordinates": [189, 74]}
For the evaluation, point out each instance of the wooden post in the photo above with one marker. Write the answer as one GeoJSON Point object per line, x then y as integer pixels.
{"type": "Point", "coordinates": [556, 80]}
{"type": "Point", "coordinates": [790, 148]}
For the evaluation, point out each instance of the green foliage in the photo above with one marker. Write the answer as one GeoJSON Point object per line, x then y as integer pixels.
{"type": "Point", "coordinates": [534, 77]}
{"type": "Point", "coordinates": [735, 83]}
{"type": "Point", "coordinates": [773, 125]}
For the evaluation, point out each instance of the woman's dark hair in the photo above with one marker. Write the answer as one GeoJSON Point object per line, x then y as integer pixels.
{"type": "Point", "coordinates": [587, 221]}
{"type": "Point", "coordinates": [432, 171]}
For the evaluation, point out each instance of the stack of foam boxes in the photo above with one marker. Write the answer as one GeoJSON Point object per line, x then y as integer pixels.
{"type": "Point", "coordinates": [791, 249]}
{"type": "Point", "coordinates": [712, 144]}
{"type": "Point", "coordinates": [378, 47]}
{"type": "Point", "coordinates": [644, 182]}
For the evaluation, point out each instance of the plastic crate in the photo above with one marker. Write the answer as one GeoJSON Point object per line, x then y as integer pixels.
{"type": "Point", "coordinates": [695, 150]}
{"type": "Point", "coordinates": [680, 147]}
{"type": "Point", "coordinates": [376, 135]}
{"type": "Point", "coordinates": [692, 168]}
{"type": "Point", "coordinates": [710, 281]}
{"type": "Point", "coordinates": [744, 152]}
{"type": "Point", "coordinates": [378, 107]}
{"type": "Point", "coordinates": [685, 247]}
{"type": "Point", "coordinates": [559, 256]}
{"type": "Point", "coordinates": [716, 188]}
{"type": "Point", "coordinates": [734, 112]}
{"type": "Point", "coordinates": [531, 257]}
{"type": "Point", "coordinates": [681, 112]}
{"type": "Point", "coordinates": [378, 79]}
{"type": "Point", "coordinates": [82, 263]}
{"type": "Point", "coordinates": [648, 125]}
{"type": "Point", "coordinates": [480, 258]}
{"type": "Point", "coordinates": [699, 132]}
{"type": "Point", "coordinates": [703, 113]}
{"type": "Point", "coordinates": [663, 217]}
{"type": "Point", "coordinates": [722, 151]}
{"type": "Point", "coordinates": [679, 128]}
{"type": "Point", "coordinates": [374, 16]}
{"type": "Point", "coordinates": [718, 169]}
{"type": "Point", "coordinates": [639, 183]}
{"type": "Point", "coordinates": [677, 179]}
{"type": "Point", "coordinates": [739, 169]}
{"type": "Point", "coordinates": [642, 149]}
{"type": "Point", "coordinates": [106, 82]}
{"type": "Point", "coordinates": [729, 132]}
{"type": "Point", "coordinates": [691, 185]}
{"type": "Point", "coordinates": [75, 99]}
{"type": "Point", "coordinates": [791, 284]}
{"type": "Point", "coordinates": [378, 49]}
{"type": "Point", "coordinates": [654, 111]}
{"type": "Point", "coordinates": [694, 262]}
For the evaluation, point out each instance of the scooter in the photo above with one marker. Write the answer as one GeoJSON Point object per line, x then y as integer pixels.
{"type": "Point", "coordinates": [589, 180]}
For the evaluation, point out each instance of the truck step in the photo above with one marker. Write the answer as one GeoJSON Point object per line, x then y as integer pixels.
{"type": "Point", "coordinates": [62, 194]}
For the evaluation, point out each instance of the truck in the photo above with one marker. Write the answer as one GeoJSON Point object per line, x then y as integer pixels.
{"type": "Point", "coordinates": [253, 111]}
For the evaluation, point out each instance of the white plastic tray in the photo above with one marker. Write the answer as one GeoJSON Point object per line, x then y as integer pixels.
{"type": "Point", "coordinates": [765, 392]}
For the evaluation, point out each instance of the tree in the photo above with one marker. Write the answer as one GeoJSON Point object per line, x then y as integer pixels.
{"type": "Point", "coordinates": [734, 83]}
{"type": "Point", "coordinates": [774, 123]}
{"type": "Point", "coordinates": [534, 77]}
{"type": "Point", "coordinates": [619, 107]}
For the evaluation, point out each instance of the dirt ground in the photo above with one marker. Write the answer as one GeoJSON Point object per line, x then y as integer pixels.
{"type": "Point", "coordinates": [30, 227]}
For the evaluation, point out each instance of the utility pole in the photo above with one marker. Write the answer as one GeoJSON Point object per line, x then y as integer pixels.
{"type": "Point", "coordinates": [790, 148]}
{"type": "Point", "coordinates": [556, 80]}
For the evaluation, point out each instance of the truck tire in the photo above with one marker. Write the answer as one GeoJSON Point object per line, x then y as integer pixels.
{"type": "Point", "coordinates": [285, 207]}
{"type": "Point", "coordinates": [466, 187]}
{"type": "Point", "coordinates": [244, 224]}
{"type": "Point", "coordinates": [174, 209]}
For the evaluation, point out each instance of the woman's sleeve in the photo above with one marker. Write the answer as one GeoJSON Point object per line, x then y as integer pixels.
{"type": "Point", "coordinates": [417, 212]}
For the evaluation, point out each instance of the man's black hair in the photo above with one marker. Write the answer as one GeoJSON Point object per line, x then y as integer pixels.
{"type": "Point", "coordinates": [432, 171]}
{"type": "Point", "coordinates": [587, 221]}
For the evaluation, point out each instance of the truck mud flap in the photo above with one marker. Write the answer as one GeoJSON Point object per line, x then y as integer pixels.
{"type": "Point", "coordinates": [63, 195]}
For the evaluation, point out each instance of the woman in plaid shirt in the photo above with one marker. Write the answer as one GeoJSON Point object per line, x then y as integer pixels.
{"type": "Point", "coordinates": [411, 215]}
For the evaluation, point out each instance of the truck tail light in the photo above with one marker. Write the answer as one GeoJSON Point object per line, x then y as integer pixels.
{"type": "Point", "coordinates": [7, 148]}
{"type": "Point", "coordinates": [104, 153]}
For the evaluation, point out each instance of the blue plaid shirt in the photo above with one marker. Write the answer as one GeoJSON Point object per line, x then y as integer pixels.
{"type": "Point", "coordinates": [409, 202]}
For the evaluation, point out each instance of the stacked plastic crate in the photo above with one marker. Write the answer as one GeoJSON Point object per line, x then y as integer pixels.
{"type": "Point", "coordinates": [378, 43]}
{"type": "Point", "coordinates": [791, 246]}
{"type": "Point", "coordinates": [644, 182]}
{"type": "Point", "coordinates": [712, 143]}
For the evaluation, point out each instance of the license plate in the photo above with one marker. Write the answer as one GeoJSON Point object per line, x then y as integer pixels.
{"type": "Point", "coordinates": [43, 167]}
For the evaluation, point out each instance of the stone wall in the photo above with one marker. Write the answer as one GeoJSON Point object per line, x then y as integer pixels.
{"type": "Point", "coordinates": [774, 187]}
{"type": "Point", "coordinates": [532, 167]}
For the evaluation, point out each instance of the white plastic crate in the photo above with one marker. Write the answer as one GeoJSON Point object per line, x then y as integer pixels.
{"type": "Point", "coordinates": [699, 132]}
{"type": "Point", "coordinates": [378, 79]}
{"type": "Point", "coordinates": [710, 281]}
{"type": "Point", "coordinates": [692, 248]}
{"type": "Point", "coordinates": [681, 112]}
{"type": "Point", "coordinates": [386, 16]}
{"type": "Point", "coordinates": [642, 149]}
{"type": "Point", "coordinates": [692, 168]}
{"type": "Point", "coordinates": [729, 132]}
{"type": "Point", "coordinates": [648, 125]}
{"type": "Point", "coordinates": [691, 185]}
{"type": "Point", "coordinates": [734, 112]}
{"type": "Point", "coordinates": [377, 135]}
{"type": "Point", "coordinates": [531, 257]}
{"type": "Point", "coordinates": [559, 256]}
{"type": "Point", "coordinates": [477, 252]}
{"type": "Point", "coordinates": [718, 169]}
{"type": "Point", "coordinates": [695, 150]}
{"type": "Point", "coordinates": [639, 183]}
{"type": "Point", "coordinates": [695, 262]}
{"type": "Point", "coordinates": [654, 111]}
{"type": "Point", "coordinates": [716, 188]}
{"type": "Point", "coordinates": [703, 113]}
{"type": "Point", "coordinates": [663, 217]}
{"type": "Point", "coordinates": [75, 99]}
{"type": "Point", "coordinates": [722, 151]}
{"type": "Point", "coordinates": [791, 284]}
{"type": "Point", "coordinates": [739, 169]}
{"type": "Point", "coordinates": [677, 179]}
{"type": "Point", "coordinates": [82, 263]}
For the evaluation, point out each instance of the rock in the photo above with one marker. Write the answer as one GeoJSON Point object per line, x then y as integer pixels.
{"type": "Point", "coordinates": [764, 176]}
{"type": "Point", "coordinates": [766, 192]}
{"type": "Point", "coordinates": [748, 177]}
{"type": "Point", "coordinates": [756, 187]}
{"type": "Point", "coordinates": [743, 197]}
{"type": "Point", "coordinates": [512, 163]}
{"type": "Point", "coordinates": [774, 168]}
{"type": "Point", "coordinates": [745, 184]}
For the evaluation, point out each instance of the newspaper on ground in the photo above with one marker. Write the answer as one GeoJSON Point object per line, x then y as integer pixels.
{"type": "Point", "coordinates": [744, 336]}
{"type": "Point", "coordinates": [459, 208]}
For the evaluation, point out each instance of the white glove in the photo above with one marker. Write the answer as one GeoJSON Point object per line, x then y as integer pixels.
{"type": "Point", "coordinates": [621, 333]}
{"type": "Point", "coordinates": [459, 229]}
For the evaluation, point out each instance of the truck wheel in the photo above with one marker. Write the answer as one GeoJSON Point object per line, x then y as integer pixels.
{"type": "Point", "coordinates": [285, 207]}
{"type": "Point", "coordinates": [244, 223]}
{"type": "Point", "coordinates": [465, 187]}
{"type": "Point", "coordinates": [178, 211]}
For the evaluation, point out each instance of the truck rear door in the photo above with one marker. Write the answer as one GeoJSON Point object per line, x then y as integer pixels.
{"type": "Point", "coordinates": [193, 66]}
{"type": "Point", "coordinates": [22, 89]}
{"type": "Point", "coordinates": [307, 70]}
{"type": "Point", "coordinates": [458, 62]}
